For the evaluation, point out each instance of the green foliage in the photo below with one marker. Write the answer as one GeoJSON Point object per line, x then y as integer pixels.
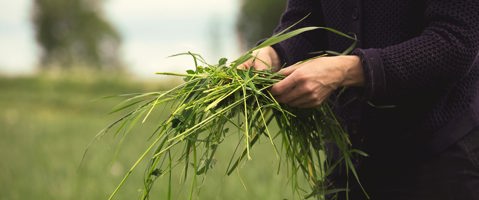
{"type": "Point", "coordinates": [258, 19]}
{"type": "Point", "coordinates": [46, 123]}
{"type": "Point", "coordinates": [216, 98]}
{"type": "Point", "coordinates": [75, 33]}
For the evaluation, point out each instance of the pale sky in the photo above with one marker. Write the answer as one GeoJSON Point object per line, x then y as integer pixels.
{"type": "Point", "coordinates": [151, 31]}
{"type": "Point", "coordinates": [17, 45]}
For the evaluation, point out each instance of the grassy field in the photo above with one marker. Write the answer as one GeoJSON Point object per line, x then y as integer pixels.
{"type": "Point", "coordinates": [46, 123]}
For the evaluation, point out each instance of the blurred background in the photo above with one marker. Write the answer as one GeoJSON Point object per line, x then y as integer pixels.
{"type": "Point", "coordinates": [58, 58]}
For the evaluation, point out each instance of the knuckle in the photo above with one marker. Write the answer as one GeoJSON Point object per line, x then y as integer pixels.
{"type": "Point", "coordinates": [309, 88]}
{"type": "Point", "coordinates": [300, 76]}
{"type": "Point", "coordinates": [315, 96]}
{"type": "Point", "coordinates": [275, 90]}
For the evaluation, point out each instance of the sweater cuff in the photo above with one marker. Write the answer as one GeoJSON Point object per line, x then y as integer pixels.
{"type": "Point", "coordinates": [375, 81]}
{"type": "Point", "coordinates": [283, 62]}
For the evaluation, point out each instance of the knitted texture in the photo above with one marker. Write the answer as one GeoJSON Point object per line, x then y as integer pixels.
{"type": "Point", "coordinates": [417, 55]}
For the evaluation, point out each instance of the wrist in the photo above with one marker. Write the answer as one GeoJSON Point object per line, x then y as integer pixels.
{"type": "Point", "coordinates": [354, 75]}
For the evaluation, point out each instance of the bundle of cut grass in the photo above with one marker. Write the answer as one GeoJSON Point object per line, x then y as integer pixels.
{"type": "Point", "coordinates": [215, 98]}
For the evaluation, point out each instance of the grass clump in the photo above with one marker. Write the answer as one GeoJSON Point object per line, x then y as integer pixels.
{"type": "Point", "coordinates": [219, 100]}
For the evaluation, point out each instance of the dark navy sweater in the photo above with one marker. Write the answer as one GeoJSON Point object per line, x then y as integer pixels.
{"type": "Point", "coordinates": [418, 56]}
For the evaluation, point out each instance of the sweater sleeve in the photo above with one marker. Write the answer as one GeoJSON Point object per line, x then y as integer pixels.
{"type": "Point", "coordinates": [431, 62]}
{"type": "Point", "coordinates": [300, 47]}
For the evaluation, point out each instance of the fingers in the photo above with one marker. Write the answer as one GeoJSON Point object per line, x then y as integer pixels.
{"type": "Point", "coordinates": [294, 94]}
{"type": "Point", "coordinates": [304, 95]}
{"type": "Point", "coordinates": [256, 63]}
{"type": "Point", "coordinates": [288, 83]}
{"type": "Point", "coordinates": [284, 86]}
{"type": "Point", "coordinates": [262, 59]}
{"type": "Point", "coordinates": [289, 70]}
{"type": "Point", "coordinates": [246, 65]}
{"type": "Point", "coordinates": [309, 101]}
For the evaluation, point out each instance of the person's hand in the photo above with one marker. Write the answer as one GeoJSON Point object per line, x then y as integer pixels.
{"type": "Point", "coordinates": [309, 83]}
{"type": "Point", "coordinates": [262, 60]}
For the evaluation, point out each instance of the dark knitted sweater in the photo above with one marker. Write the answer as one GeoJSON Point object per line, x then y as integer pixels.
{"type": "Point", "coordinates": [417, 55]}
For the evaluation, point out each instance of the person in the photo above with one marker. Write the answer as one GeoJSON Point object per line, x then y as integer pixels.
{"type": "Point", "coordinates": [412, 89]}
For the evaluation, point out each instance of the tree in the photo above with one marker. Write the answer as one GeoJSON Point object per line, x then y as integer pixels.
{"type": "Point", "coordinates": [257, 20]}
{"type": "Point", "coordinates": [75, 33]}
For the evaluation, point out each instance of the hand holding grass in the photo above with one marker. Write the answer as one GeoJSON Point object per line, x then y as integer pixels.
{"type": "Point", "coordinates": [308, 84]}
{"type": "Point", "coordinates": [217, 97]}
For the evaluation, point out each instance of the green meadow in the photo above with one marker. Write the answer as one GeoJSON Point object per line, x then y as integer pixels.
{"type": "Point", "coordinates": [48, 121]}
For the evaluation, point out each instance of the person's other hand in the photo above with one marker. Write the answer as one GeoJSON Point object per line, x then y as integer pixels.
{"type": "Point", "coordinates": [309, 83]}
{"type": "Point", "coordinates": [262, 59]}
